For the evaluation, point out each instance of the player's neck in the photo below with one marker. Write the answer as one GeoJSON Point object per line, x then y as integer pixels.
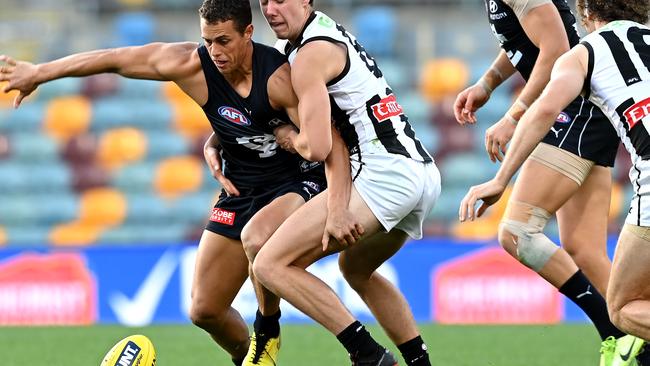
{"type": "Point", "coordinates": [303, 25]}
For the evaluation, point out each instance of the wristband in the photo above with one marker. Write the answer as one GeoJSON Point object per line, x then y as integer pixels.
{"type": "Point", "coordinates": [485, 86]}
{"type": "Point", "coordinates": [511, 119]}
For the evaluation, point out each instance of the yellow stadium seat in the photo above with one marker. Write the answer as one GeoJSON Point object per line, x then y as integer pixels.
{"type": "Point", "coordinates": [3, 236]}
{"type": "Point", "coordinates": [102, 207]}
{"type": "Point", "coordinates": [75, 233]}
{"type": "Point", "coordinates": [486, 227]}
{"type": "Point", "coordinates": [6, 99]}
{"type": "Point", "coordinates": [442, 77]}
{"type": "Point", "coordinates": [67, 117]}
{"type": "Point", "coordinates": [617, 203]}
{"type": "Point", "coordinates": [189, 119]}
{"type": "Point", "coordinates": [178, 175]}
{"type": "Point", "coordinates": [121, 146]}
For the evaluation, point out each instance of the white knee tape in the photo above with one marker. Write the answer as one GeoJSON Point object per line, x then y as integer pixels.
{"type": "Point", "coordinates": [534, 249]}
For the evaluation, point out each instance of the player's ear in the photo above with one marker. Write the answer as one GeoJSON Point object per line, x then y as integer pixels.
{"type": "Point", "coordinates": [248, 32]}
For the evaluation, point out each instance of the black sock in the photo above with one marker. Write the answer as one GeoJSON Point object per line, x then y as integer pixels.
{"type": "Point", "coordinates": [643, 359]}
{"type": "Point", "coordinates": [267, 325]}
{"type": "Point", "coordinates": [579, 290]}
{"type": "Point", "coordinates": [415, 352]}
{"type": "Point", "coordinates": [358, 341]}
{"type": "Point", "coordinates": [239, 361]}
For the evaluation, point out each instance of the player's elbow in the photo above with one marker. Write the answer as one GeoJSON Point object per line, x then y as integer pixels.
{"type": "Point", "coordinates": [315, 155]}
{"type": "Point", "coordinates": [315, 150]}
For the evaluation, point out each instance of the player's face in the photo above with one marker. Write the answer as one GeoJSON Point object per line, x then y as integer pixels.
{"type": "Point", "coordinates": [226, 45]}
{"type": "Point", "coordinates": [286, 17]}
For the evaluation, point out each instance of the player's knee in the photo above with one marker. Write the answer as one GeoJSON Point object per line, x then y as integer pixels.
{"type": "Point", "coordinates": [263, 270]}
{"type": "Point", "coordinates": [353, 274]}
{"type": "Point", "coordinates": [507, 240]}
{"type": "Point", "coordinates": [207, 317]}
{"type": "Point", "coordinates": [252, 241]}
{"type": "Point", "coordinates": [525, 239]}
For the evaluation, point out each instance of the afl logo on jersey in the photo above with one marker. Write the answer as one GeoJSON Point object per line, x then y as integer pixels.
{"type": "Point", "coordinates": [234, 116]}
{"type": "Point", "coordinates": [563, 118]}
{"type": "Point", "coordinates": [493, 6]}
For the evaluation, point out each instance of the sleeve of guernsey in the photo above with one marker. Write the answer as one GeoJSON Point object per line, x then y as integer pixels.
{"type": "Point", "coordinates": [522, 7]}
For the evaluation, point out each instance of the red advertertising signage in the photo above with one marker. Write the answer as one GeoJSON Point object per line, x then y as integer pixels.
{"type": "Point", "coordinates": [492, 287]}
{"type": "Point", "coordinates": [47, 289]}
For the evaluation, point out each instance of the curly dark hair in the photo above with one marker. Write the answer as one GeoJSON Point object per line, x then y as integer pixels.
{"type": "Point", "coordinates": [216, 11]}
{"type": "Point", "coordinates": [610, 10]}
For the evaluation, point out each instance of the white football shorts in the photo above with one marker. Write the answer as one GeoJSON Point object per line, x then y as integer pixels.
{"type": "Point", "coordinates": [399, 191]}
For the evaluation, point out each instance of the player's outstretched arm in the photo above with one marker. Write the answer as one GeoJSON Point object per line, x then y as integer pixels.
{"type": "Point", "coordinates": [566, 84]}
{"type": "Point", "coordinates": [154, 61]}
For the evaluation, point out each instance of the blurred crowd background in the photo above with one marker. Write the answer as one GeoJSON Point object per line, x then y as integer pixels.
{"type": "Point", "coordinates": [111, 160]}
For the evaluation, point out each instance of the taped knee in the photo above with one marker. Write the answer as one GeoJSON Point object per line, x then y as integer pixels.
{"type": "Point", "coordinates": [526, 227]}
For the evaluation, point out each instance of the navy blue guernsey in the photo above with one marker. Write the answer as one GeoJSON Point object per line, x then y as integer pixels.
{"type": "Point", "coordinates": [513, 39]}
{"type": "Point", "coordinates": [245, 126]}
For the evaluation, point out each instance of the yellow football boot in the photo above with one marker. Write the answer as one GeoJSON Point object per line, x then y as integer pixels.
{"type": "Point", "coordinates": [263, 351]}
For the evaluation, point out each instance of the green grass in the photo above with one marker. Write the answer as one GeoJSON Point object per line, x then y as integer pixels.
{"type": "Point", "coordinates": [307, 345]}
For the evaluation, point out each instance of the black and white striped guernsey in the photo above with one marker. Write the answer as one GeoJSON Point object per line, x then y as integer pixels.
{"type": "Point", "coordinates": [364, 108]}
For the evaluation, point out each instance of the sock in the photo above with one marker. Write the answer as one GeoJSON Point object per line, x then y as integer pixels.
{"type": "Point", "coordinates": [415, 352]}
{"type": "Point", "coordinates": [579, 290]}
{"type": "Point", "coordinates": [358, 341]}
{"type": "Point", "coordinates": [238, 362]}
{"type": "Point", "coordinates": [643, 358]}
{"type": "Point", "coordinates": [267, 325]}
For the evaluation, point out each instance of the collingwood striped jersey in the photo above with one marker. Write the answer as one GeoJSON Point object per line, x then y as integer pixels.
{"type": "Point", "coordinates": [618, 81]}
{"type": "Point", "coordinates": [364, 108]}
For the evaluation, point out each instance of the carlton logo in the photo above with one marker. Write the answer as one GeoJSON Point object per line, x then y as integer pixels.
{"type": "Point", "coordinates": [637, 112]}
{"type": "Point", "coordinates": [563, 118]}
{"type": "Point", "coordinates": [386, 108]}
{"type": "Point", "coordinates": [222, 216]}
{"type": "Point", "coordinates": [234, 116]}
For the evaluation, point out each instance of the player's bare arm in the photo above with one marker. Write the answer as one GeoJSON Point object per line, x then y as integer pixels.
{"type": "Point", "coordinates": [315, 65]}
{"type": "Point", "coordinates": [475, 96]}
{"type": "Point", "coordinates": [566, 84]}
{"type": "Point", "coordinates": [176, 62]}
{"type": "Point", "coordinates": [341, 225]}
{"type": "Point", "coordinates": [543, 26]}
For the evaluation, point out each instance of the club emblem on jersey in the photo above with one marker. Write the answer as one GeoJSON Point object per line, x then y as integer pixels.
{"type": "Point", "coordinates": [637, 112]}
{"type": "Point", "coordinates": [563, 118]}
{"type": "Point", "coordinates": [386, 108]}
{"type": "Point", "coordinates": [493, 6]}
{"type": "Point", "coordinates": [234, 116]}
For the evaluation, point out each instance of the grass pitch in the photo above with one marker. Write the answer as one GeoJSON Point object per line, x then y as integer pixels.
{"type": "Point", "coordinates": [307, 345]}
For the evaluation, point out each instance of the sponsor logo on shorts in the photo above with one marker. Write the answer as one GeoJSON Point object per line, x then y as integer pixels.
{"type": "Point", "coordinates": [233, 115]}
{"type": "Point", "coordinates": [637, 112]}
{"type": "Point", "coordinates": [387, 108]}
{"type": "Point", "coordinates": [563, 118]}
{"type": "Point", "coordinates": [312, 185]}
{"type": "Point", "coordinates": [222, 216]}
{"type": "Point", "coordinates": [306, 166]}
